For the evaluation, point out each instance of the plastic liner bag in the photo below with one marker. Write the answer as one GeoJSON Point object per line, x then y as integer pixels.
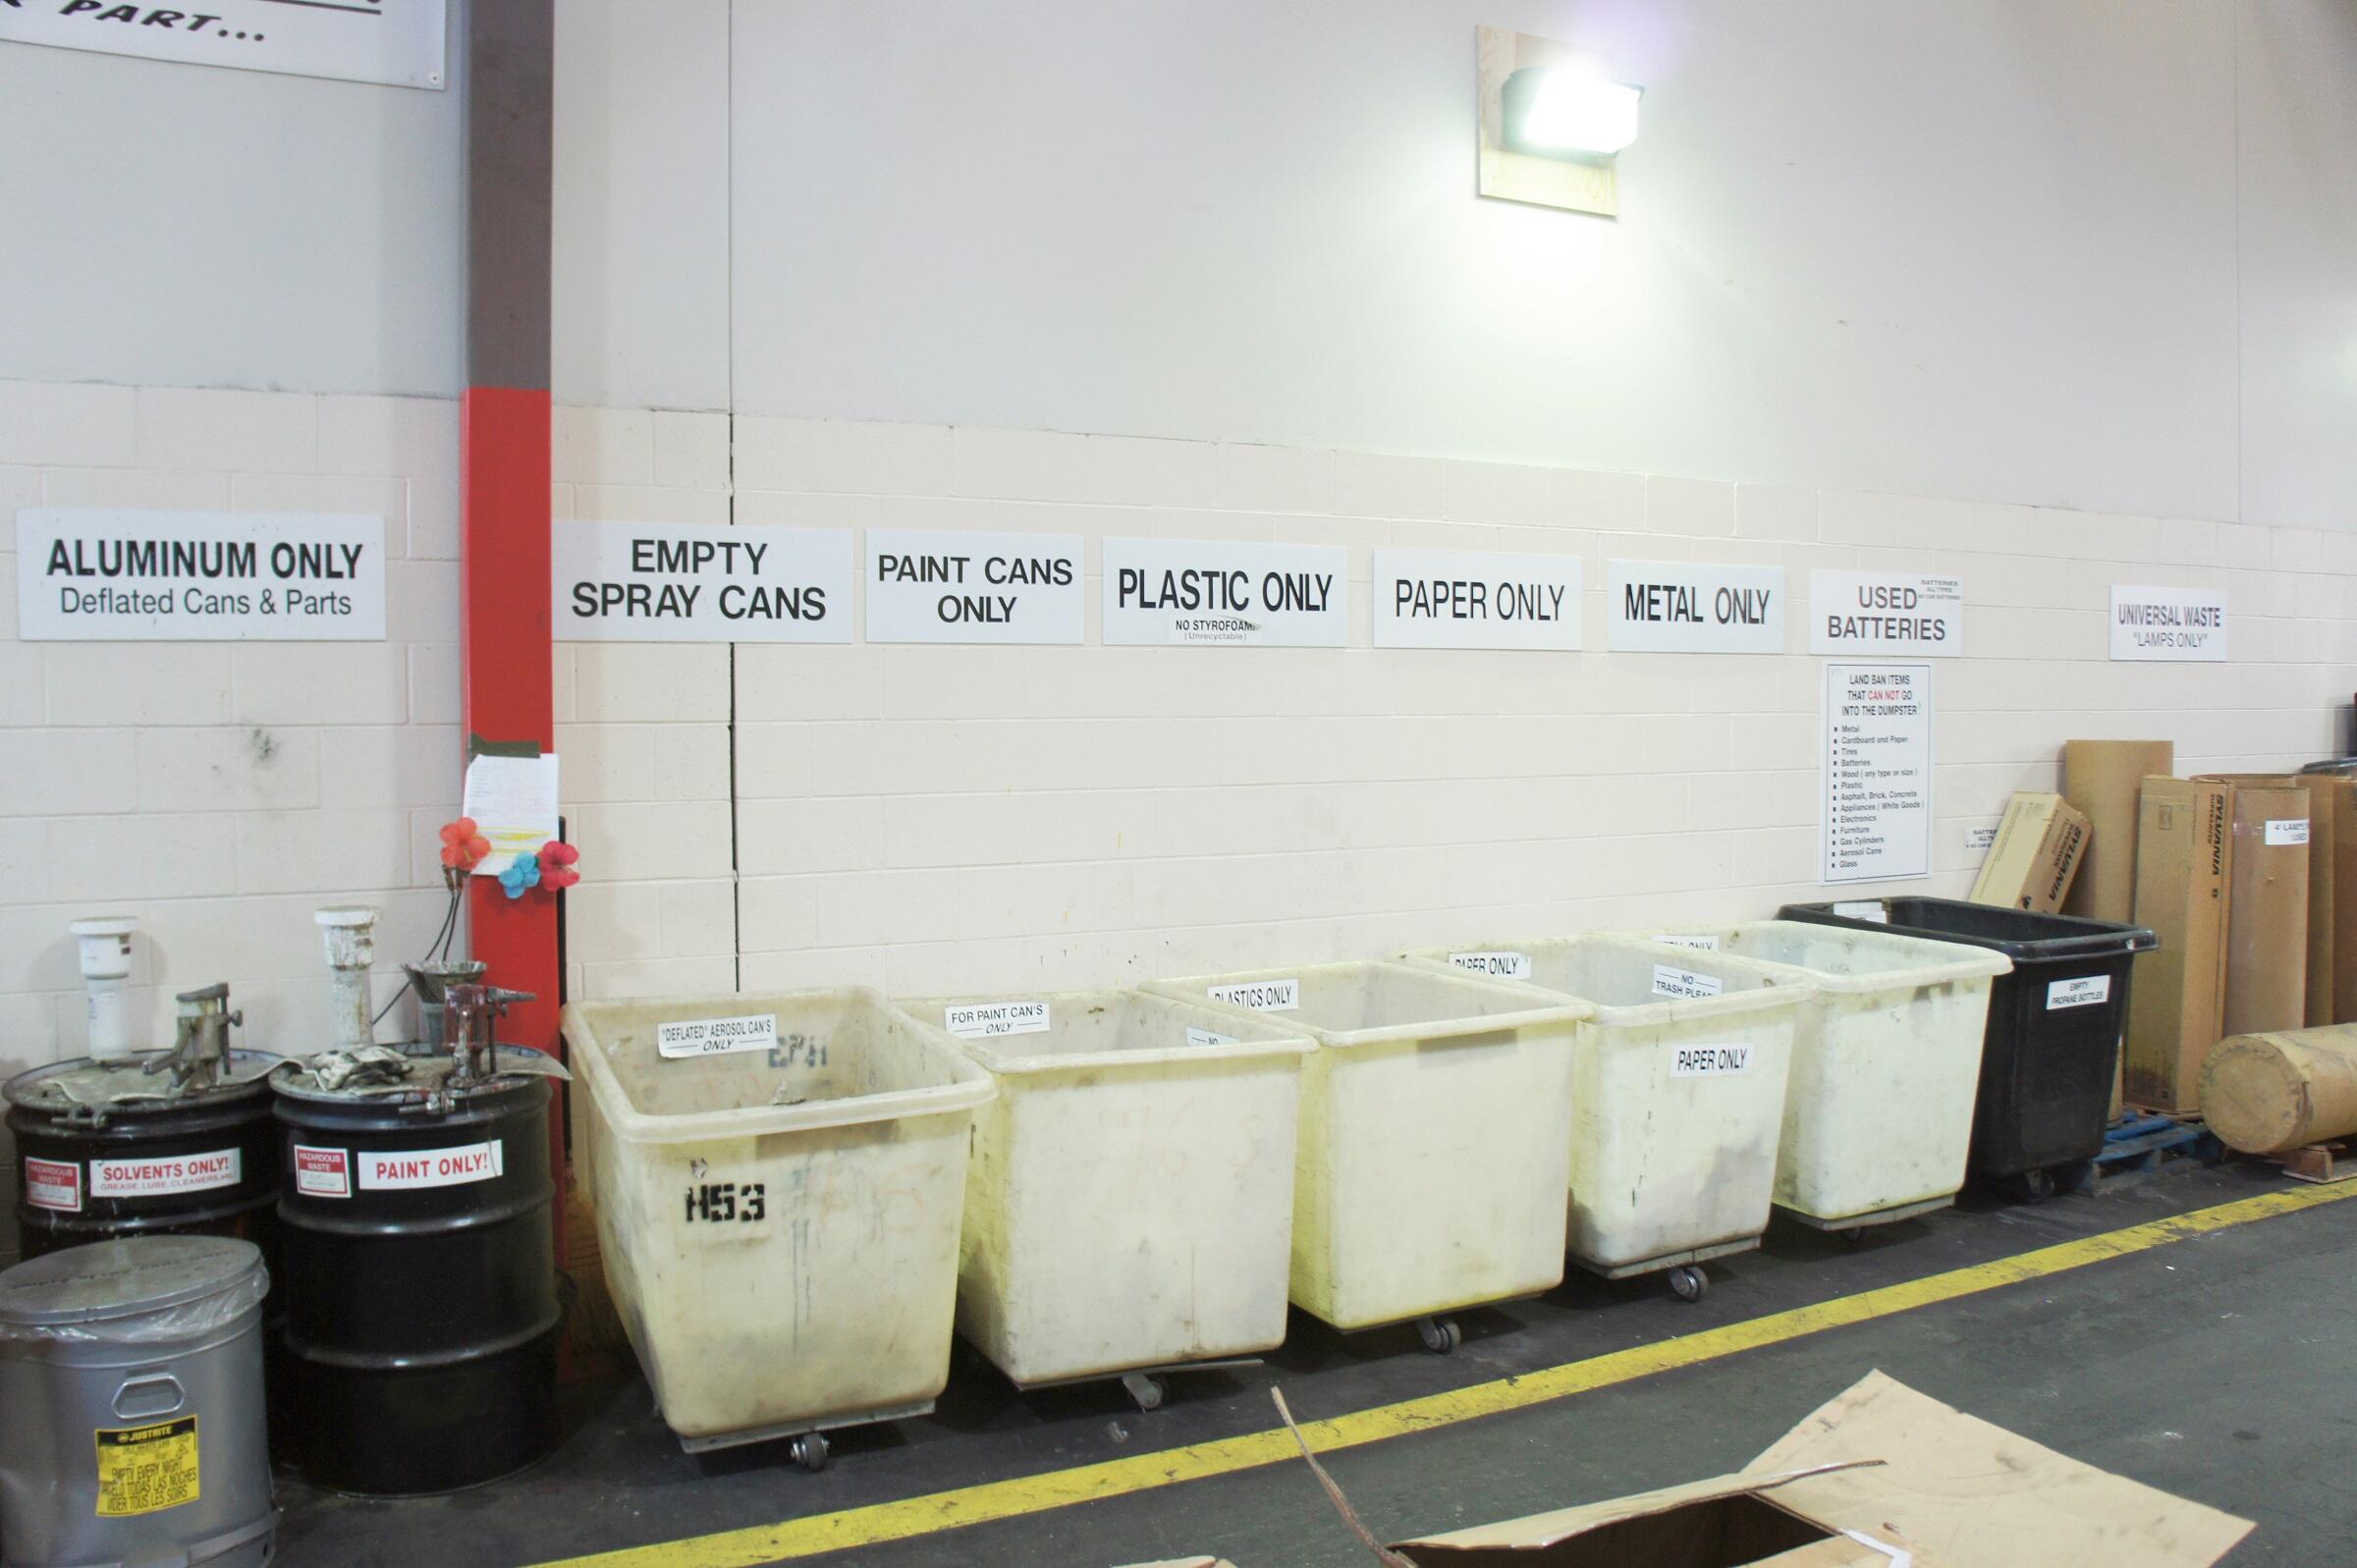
{"type": "Point", "coordinates": [185, 1320]}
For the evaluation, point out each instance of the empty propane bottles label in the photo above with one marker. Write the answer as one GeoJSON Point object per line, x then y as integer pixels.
{"type": "Point", "coordinates": [454, 1166]}
{"type": "Point", "coordinates": [979, 1019]}
{"type": "Point", "coordinates": [1864, 909]}
{"type": "Point", "coordinates": [1706, 942]}
{"type": "Point", "coordinates": [1670, 980]}
{"type": "Point", "coordinates": [2084, 992]}
{"type": "Point", "coordinates": [2287, 831]}
{"type": "Point", "coordinates": [53, 1184]}
{"type": "Point", "coordinates": [1208, 1037]}
{"type": "Point", "coordinates": [1206, 593]}
{"type": "Point", "coordinates": [1709, 1061]}
{"type": "Point", "coordinates": [160, 1176]}
{"type": "Point", "coordinates": [1502, 964]}
{"type": "Point", "coordinates": [322, 1172]}
{"type": "Point", "coordinates": [716, 1037]}
{"type": "Point", "coordinates": [144, 1470]}
{"type": "Point", "coordinates": [1261, 995]}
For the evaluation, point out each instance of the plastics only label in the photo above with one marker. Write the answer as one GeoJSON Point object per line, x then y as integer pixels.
{"type": "Point", "coordinates": [2084, 992]}
{"type": "Point", "coordinates": [716, 1037]}
{"type": "Point", "coordinates": [322, 1172]}
{"type": "Point", "coordinates": [979, 1019]}
{"type": "Point", "coordinates": [1504, 965]}
{"type": "Point", "coordinates": [144, 1470]}
{"type": "Point", "coordinates": [2287, 831]}
{"type": "Point", "coordinates": [159, 1178]}
{"type": "Point", "coordinates": [1670, 980]}
{"type": "Point", "coordinates": [1709, 1061]}
{"type": "Point", "coordinates": [384, 1171]}
{"type": "Point", "coordinates": [53, 1184]}
{"type": "Point", "coordinates": [1706, 941]}
{"type": "Point", "coordinates": [1261, 995]}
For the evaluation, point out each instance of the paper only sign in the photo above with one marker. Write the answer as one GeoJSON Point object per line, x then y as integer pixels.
{"type": "Point", "coordinates": [700, 582]}
{"type": "Point", "coordinates": [1676, 607]}
{"type": "Point", "coordinates": [198, 577]}
{"type": "Point", "coordinates": [1886, 613]}
{"type": "Point", "coordinates": [1471, 599]}
{"type": "Point", "coordinates": [1499, 964]}
{"type": "Point", "coordinates": [2168, 625]}
{"type": "Point", "coordinates": [1183, 591]}
{"type": "Point", "coordinates": [946, 586]}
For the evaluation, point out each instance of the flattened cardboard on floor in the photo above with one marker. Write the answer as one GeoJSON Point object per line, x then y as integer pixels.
{"type": "Point", "coordinates": [2036, 855]}
{"type": "Point", "coordinates": [1880, 1470]}
{"type": "Point", "coordinates": [2101, 779]}
{"type": "Point", "coordinates": [2331, 899]}
{"type": "Point", "coordinates": [2266, 904]}
{"type": "Point", "coordinates": [2176, 1010]}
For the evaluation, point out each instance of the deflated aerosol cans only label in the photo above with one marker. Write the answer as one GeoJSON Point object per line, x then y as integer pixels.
{"type": "Point", "coordinates": [976, 1020]}
{"type": "Point", "coordinates": [322, 1172]}
{"type": "Point", "coordinates": [1670, 980]}
{"type": "Point", "coordinates": [160, 1176]}
{"type": "Point", "coordinates": [1504, 966]}
{"type": "Point", "coordinates": [2084, 992]}
{"type": "Point", "coordinates": [2287, 831]}
{"type": "Point", "coordinates": [1709, 1061]}
{"type": "Point", "coordinates": [717, 1037]}
{"type": "Point", "coordinates": [144, 1470]}
{"type": "Point", "coordinates": [1706, 942]}
{"type": "Point", "coordinates": [53, 1184]}
{"type": "Point", "coordinates": [1261, 995]}
{"type": "Point", "coordinates": [383, 1170]}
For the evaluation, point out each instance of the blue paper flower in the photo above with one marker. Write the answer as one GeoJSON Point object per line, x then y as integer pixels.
{"type": "Point", "coordinates": [522, 872]}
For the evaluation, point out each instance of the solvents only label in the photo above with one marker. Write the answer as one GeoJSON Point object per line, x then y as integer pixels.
{"type": "Point", "coordinates": [162, 1175]}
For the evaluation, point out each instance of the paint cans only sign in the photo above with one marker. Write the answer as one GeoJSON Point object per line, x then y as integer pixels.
{"type": "Point", "coordinates": [1213, 593]}
{"type": "Point", "coordinates": [699, 582]}
{"type": "Point", "coordinates": [1474, 599]}
{"type": "Point", "coordinates": [944, 585]}
{"type": "Point", "coordinates": [198, 577]}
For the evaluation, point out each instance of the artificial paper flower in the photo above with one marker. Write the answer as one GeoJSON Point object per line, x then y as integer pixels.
{"type": "Point", "coordinates": [556, 864]}
{"type": "Point", "coordinates": [523, 873]}
{"type": "Point", "coordinates": [462, 847]}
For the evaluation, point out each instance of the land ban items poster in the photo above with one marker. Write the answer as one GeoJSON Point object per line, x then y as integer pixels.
{"type": "Point", "coordinates": [1876, 808]}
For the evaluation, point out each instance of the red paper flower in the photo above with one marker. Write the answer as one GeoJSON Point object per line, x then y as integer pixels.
{"type": "Point", "coordinates": [556, 864]}
{"type": "Point", "coordinates": [462, 845]}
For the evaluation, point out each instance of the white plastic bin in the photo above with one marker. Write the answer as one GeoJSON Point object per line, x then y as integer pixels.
{"type": "Point", "coordinates": [779, 1182]}
{"type": "Point", "coordinates": [1130, 1197]}
{"type": "Point", "coordinates": [1886, 1063]}
{"type": "Point", "coordinates": [1677, 1097]}
{"type": "Point", "coordinates": [1434, 1136]}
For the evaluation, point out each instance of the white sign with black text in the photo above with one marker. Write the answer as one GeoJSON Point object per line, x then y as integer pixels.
{"type": "Point", "coordinates": [1680, 607]}
{"type": "Point", "coordinates": [942, 585]}
{"type": "Point", "coordinates": [198, 577]}
{"type": "Point", "coordinates": [2173, 624]}
{"type": "Point", "coordinates": [395, 44]}
{"type": "Point", "coordinates": [1209, 593]}
{"type": "Point", "coordinates": [700, 582]}
{"type": "Point", "coordinates": [1473, 599]}
{"type": "Point", "coordinates": [1886, 613]}
{"type": "Point", "coordinates": [1877, 807]}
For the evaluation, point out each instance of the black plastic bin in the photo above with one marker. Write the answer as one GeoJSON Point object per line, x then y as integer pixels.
{"type": "Point", "coordinates": [2053, 1029]}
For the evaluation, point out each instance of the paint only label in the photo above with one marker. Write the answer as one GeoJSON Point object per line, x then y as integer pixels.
{"type": "Point", "coordinates": [1504, 966]}
{"type": "Point", "coordinates": [144, 1470]}
{"type": "Point", "coordinates": [980, 1019]}
{"type": "Point", "coordinates": [53, 1184]}
{"type": "Point", "coordinates": [717, 1037]}
{"type": "Point", "coordinates": [322, 1172]}
{"type": "Point", "coordinates": [1670, 980]}
{"type": "Point", "coordinates": [2287, 831]}
{"type": "Point", "coordinates": [1709, 1061]}
{"type": "Point", "coordinates": [456, 1166]}
{"type": "Point", "coordinates": [1706, 942]}
{"type": "Point", "coordinates": [157, 1178]}
{"type": "Point", "coordinates": [1261, 995]}
{"type": "Point", "coordinates": [2084, 992]}
{"type": "Point", "coordinates": [1207, 1037]}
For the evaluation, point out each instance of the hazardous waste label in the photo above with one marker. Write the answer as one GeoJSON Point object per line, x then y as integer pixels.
{"type": "Point", "coordinates": [322, 1172]}
{"type": "Point", "coordinates": [159, 1178]}
{"type": "Point", "coordinates": [382, 1170]}
{"type": "Point", "coordinates": [53, 1184]}
{"type": "Point", "coordinates": [144, 1470]}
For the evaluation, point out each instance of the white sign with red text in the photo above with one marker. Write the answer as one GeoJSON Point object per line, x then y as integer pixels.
{"type": "Point", "coordinates": [158, 1176]}
{"type": "Point", "coordinates": [388, 1170]}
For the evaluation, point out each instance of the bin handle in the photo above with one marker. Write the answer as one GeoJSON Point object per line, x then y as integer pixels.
{"type": "Point", "coordinates": [2098, 944]}
{"type": "Point", "coordinates": [152, 1394]}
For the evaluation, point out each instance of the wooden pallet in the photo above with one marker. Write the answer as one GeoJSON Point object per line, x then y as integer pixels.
{"type": "Point", "coordinates": [2320, 1163]}
{"type": "Point", "coordinates": [2139, 1146]}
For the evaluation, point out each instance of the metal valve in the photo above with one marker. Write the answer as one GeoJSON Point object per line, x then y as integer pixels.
{"type": "Point", "coordinates": [471, 1015]}
{"type": "Point", "coordinates": [199, 1054]}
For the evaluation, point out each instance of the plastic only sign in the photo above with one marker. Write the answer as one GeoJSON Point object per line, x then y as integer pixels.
{"type": "Point", "coordinates": [159, 1178]}
{"type": "Point", "coordinates": [1709, 1061]}
{"type": "Point", "coordinates": [1261, 995]}
{"type": "Point", "coordinates": [980, 1019]}
{"type": "Point", "coordinates": [716, 1037]}
{"type": "Point", "coordinates": [1504, 966]}
{"type": "Point", "coordinates": [1670, 980]}
{"type": "Point", "coordinates": [383, 1170]}
{"type": "Point", "coordinates": [2084, 992]}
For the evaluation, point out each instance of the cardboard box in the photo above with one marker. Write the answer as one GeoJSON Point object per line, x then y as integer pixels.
{"type": "Point", "coordinates": [1880, 1472]}
{"type": "Point", "coordinates": [2037, 854]}
{"type": "Point", "coordinates": [2266, 904]}
{"type": "Point", "coordinates": [2331, 898]}
{"type": "Point", "coordinates": [2101, 781]}
{"type": "Point", "coordinates": [2184, 849]}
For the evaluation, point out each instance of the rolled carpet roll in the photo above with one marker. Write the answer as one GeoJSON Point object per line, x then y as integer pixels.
{"type": "Point", "coordinates": [2266, 1092]}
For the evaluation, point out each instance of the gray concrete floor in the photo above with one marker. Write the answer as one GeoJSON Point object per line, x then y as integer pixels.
{"type": "Point", "coordinates": [2223, 1368]}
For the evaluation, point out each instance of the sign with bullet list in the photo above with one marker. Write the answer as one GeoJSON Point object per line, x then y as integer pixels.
{"type": "Point", "coordinates": [1876, 822]}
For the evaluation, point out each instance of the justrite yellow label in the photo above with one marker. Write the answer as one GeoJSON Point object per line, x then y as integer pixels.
{"type": "Point", "coordinates": [142, 1469]}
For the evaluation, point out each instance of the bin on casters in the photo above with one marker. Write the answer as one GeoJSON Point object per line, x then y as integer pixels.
{"type": "Point", "coordinates": [1886, 1060]}
{"type": "Point", "coordinates": [1433, 1138]}
{"type": "Point", "coordinates": [1677, 1094]}
{"type": "Point", "coordinates": [1129, 1194]}
{"type": "Point", "coordinates": [2053, 1029]}
{"type": "Point", "coordinates": [779, 1182]}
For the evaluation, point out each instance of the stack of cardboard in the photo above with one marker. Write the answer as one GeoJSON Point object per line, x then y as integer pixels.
{"type": "Point", "coordinates": [2184, 847]}
{"type": "Point", "coordinates": [2037, 854]}
{"type": "Point", "coordinates": [2267, 904]}
{"type": "Point", "coordinates": [2331, 898]}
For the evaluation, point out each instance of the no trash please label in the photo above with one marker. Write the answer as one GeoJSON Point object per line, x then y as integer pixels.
{"type": "Point", "coordinates": [196, 577]}
{"type": "Point", "coordinates": [1189, 592]}
{"type": "Point", "coordinates": [1682, 607]}
{"type": "Point", "coordinates": [696, 582]}
{"type": "Point", "coordinates": [1475, 599]}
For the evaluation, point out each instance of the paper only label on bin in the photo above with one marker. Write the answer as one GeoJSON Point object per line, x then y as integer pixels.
{"type": "Point", "coordinates": [1504, 966]}
{"type": "Point", "coordinates": [976, 1020]}
{"type": "Point", "coordinates": [164, 1174]}
{"type": "Point", "coordinates": [1671, 981]}
{"type": "Point", "coordinates": [1709, 1061]}
{"type": "Point", "coordinates": [322, 1172]}
{"type": "Point", "coordinates": [2084, 992]}
{"type": "Point", "coordinates": [2287, 831]}
{"type": "Point", "coordinates": [1207, 1037]}
{"type": "Point", "coordinates": [716, 1037]}
{"type": "Point", "coordinates": [1261, 995]}
{"type": "Point", "coordinates": [454, 1166]}
{"type": "Point", "coordinates": [1705, 943]}
{"type": "Point", "coordinates": [53, 1184]}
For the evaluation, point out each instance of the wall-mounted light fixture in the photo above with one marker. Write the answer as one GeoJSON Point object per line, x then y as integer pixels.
{"type": "Point", "coordinates": [1551, 120]}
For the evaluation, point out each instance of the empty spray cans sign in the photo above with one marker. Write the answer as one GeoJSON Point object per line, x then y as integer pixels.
{"type": "Point", "coordinates": [1194, 592]}
{"type": "Point", "coordinates": [696, 582]}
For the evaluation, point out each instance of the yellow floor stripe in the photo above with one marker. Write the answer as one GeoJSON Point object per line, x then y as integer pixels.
{"type": "Point", "coordinates": [1029, 1494]}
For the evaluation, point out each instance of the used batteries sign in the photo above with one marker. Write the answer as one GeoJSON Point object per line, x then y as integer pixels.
{"type": "Point", "coordinates": [950, 586]}
{"type": "Point", "coordinates": [1162, 591]}
{"type": "Point", "coordinates": [699, 582]}
{"type": "Point", "coordinates": [198, 577]}
{"type": "Point", "coordinates": [1884, 612]}
{"type": "Point", "coordinates": [2169, 624]}
{"type": "Point", "coordinates": [1680, 607]}
{"type": "Point", "coordinates": [1471, 599]}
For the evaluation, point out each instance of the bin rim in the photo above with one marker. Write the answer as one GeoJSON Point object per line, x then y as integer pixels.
{"type": "Point", "coordinates": [969, 1085]}
{"type": "Point", "coordinates": [1971, 962]}
{"type": "Point", "coordinates": [1633, 1014]}
{"type": "Point", "coordinates": [2103, 939]}
{"type": "Point", "coordinates": [1272, 1041]}
{"type": "Point", "coordinates": [1556, 1008]}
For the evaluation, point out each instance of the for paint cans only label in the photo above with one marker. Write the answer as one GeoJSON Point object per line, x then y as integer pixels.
{"type": "Point", "coordinates": [1705, 943]}
{"type": "Point", "coordinates": [2287, 831]}
{"type": "Point", "coordinates": [1261, 995]}
{"type": "Point", "coordinates": [717, 1037]}
{"type": "Point", "coordinates": [53, 1184]}
{"type": "Point", "coordinates": [979, 1020]}
{"type": "Point", "coordinates": [161, 1177]}
{"type": "Point", "coordinates": [144, 1470]}
{"type": "Point", "coordinates": [1709, 1061]}
{"type": "Point", "coordinates": [2084, 992]}
{"type": "Point", "coordinates": [322, 1172]}
{"type": "Point", "coordinates": [1502, 965]}
{"type": "Point", "coordinates": [382, 1170]}
{"type": "Point", "coordinates": [1671, 981]}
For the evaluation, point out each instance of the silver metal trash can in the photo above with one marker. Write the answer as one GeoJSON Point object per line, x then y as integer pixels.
{"type": "Point", "coordinates": [132, 1377]}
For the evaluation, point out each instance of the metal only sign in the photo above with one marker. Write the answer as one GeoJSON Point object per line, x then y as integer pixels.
{"type": "Point", "coordinates": [1677, 607]}
{"type": "Point", "coordinates": [198, 577]}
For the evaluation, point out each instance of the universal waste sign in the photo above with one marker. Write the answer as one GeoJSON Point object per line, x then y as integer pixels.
{"type": "Point", "coordinates": [2168, 625]}
{"type": "Point", "coordinates": [199, 576]}
{"type": "Point", "coordinates": [698, 583]}
{"type": "Point", "coordinates": [1185, 592]}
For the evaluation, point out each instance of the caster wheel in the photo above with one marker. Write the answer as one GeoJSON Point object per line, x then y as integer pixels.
{"type": "Point", "coordinates": [1145, 1390]}
{"type": "Point", "coordinates": [2030, 1186]}
{"type": "Point", "coordinates": [1440, 1334]}
{"type": "Point", "coordinates": [1689, 1283]}
{"type": "Point", "coordinates": [2073, 1177]}
{"type": "Point", "coordinates": [1853, 1236]}
{"type": "Point", "coordinates": [809, 1451]}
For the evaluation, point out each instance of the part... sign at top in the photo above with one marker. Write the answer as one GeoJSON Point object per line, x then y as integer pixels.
{"type": "Point", "coordinates": [395, 44]}
{"type": "Point", "coordinates": [198, 577]}
{"type": "Point", "coordinates": [1209, 593]}
{"type": "Point", "coordinates": [699, 582]}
